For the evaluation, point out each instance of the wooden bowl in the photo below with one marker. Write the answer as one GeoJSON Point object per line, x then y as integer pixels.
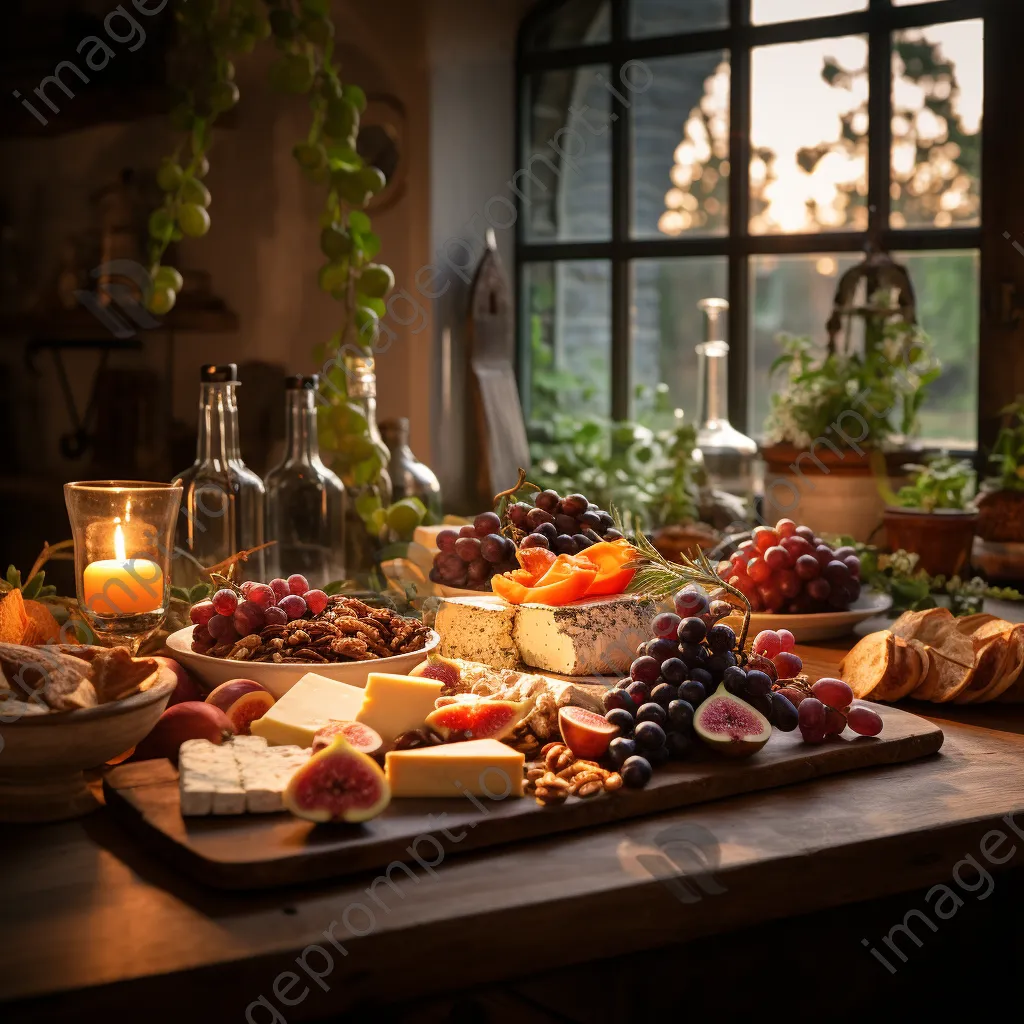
{"type": "Point", "coordinates": [43, 757]}
{"type": "Point", "coordinates": [278, 679]}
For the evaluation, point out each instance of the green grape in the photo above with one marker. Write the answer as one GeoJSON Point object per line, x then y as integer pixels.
{"type": "Point", "coordinates": [335, 243]}
{"type": "Point", "coordinates": [376, 281]}
{"type": "Point", "coordinates": [168, 277]}
{"type": "Point", "coordinates": [161, 224]}
{"type": "Point", "coordinates": [320, 8]}
{"type": "Point", "coordinates": [372, 178]}
{"type": "Point", "coordinates": [319, 31]}
{"type": "Point", "coordinates": [223, 96]}
{"type": "Point", "coordinates": [202, 168]}
{"type": "Point", "coordinates": [194, 191]}
{"type": "Point", "coordinates": [378, 522]}
{"type": "Point", "coordinates": [310, 155]}
{"type": "Point", "coordinates": [332, 278]}
{"type": "Point", "coordinates": [161, 302]}
{"type": "Point", "coordinates": [367, 503]}
{"type": "Point", "coordinates": [342, 119]}
{"type": "Point", "coordinates": [350, 188]}
{"type": "Point", "coordinates": [356, 97]}
{"type": "Point", "coordinates": [293, 73]}
{"type": "Point", "coordinates": [228, 71]}
{"type": "Point", "coordinates": [194, 220]}
{"type": "Point", "coordinates": [169, 175]}
{"type": "Point", "coordinates": [359, 222]}
{"type": "Point", "coordinates": [366, 322]}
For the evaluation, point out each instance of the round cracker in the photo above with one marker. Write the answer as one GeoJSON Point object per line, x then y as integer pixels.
{"type": "Point", "coordinates": [867, 664]}
{"type": "Point", "coordinates": [906, 670]}
{"type": "Point", "coordinates": [1012, 669]}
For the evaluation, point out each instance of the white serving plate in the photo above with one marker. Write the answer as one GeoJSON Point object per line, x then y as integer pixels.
{"type": "Point", "coordinates": [819, 625]}
{"type": "Point", "coordinates": [278, 679]}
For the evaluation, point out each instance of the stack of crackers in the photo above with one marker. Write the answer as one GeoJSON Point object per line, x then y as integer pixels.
{"type": "Point", "coordinates": [930, 655]}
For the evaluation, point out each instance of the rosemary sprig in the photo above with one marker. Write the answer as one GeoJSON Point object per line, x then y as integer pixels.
{"type": "Point", "coordinates": [656, 575]}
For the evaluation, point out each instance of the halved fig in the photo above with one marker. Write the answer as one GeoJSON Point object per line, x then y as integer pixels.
{"type": "Point", "coordinates": [338, 784]}
{"type": "Point", "coordinates": [359, 736]}
{"type": "Point", "coordinates": [243, 701]}
{"type": "Point", "coordinates": [478, 720]}
{"type": "Point", "coordinates": [586, 733]}
{"type": "Point", "coordinates": [731, 725]}
{"type": "Point", "coordinates": [444, 670]}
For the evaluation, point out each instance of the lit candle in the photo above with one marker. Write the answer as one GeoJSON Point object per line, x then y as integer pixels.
{"type": "Point", "coordinates": [123, 586]}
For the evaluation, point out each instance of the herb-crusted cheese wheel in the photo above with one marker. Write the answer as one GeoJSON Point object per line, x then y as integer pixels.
{"type": "Point", "coordinates": [592, 637]}
{"type": "Point", "coordinates": [478, 629]}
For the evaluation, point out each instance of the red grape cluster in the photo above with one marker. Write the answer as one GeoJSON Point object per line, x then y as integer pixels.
{"type": "Point", "coordinates": [469, 557]}
{"type": "Point", "coordinates": [565, 525]}
{"type": "Point", "coordinates": [231, 614]}
{"type": "Point", "coordinates": [825, 709]}
{"type": "Point", "coordinates": [788, 569]}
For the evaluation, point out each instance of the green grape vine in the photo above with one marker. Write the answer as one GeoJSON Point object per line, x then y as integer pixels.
{"type": "Point", "coordinates": [211, 34]}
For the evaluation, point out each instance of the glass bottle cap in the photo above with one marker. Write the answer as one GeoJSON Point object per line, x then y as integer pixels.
{"type": "Point", "coordinates": [225, 374]}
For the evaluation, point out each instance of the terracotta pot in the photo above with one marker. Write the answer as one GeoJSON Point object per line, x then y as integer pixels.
{"type": "Point", "coordinates": [942, 538]}
{"type": "Point", "coordinates": [689, 539]}
{"type": "Point", "coordinates": [832, 493]}
{"type": "Point", "coordinates": [1002, 517]}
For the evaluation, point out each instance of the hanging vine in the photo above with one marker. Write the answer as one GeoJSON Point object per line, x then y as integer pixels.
{"type": "Point", "coordinates": [211, 33]}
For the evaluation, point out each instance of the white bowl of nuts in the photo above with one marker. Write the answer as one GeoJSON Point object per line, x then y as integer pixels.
{"type": "Point", "coordinates": [348, 649]}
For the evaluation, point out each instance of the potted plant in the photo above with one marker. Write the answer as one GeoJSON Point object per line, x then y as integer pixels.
{"type": "Point", "coordinates": [934, 515]}
{"type": "Point", "coordinates": [999, 547]}
{"type": "Point", "coordinates": [843, 418]}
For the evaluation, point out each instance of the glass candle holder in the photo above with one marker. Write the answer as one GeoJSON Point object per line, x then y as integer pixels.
{"type": "Point", "coordinates": [124, 539]}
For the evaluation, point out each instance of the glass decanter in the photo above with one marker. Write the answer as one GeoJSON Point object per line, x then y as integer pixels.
{"type": "Point", "coordinates": [410, 478]}
{"type": "Point", "coordinates": [729, 456]}
{"type": "Point", "coordinates": [305, 500]}
{"type": "Point", "coordinates": [222, 499]}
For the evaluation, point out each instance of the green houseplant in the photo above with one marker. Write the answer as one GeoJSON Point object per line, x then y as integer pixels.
{"type": "Point", "coordinates": [211, 34]}
{"type": "Point", "coordinates": [934, 514]}
{"type": "Point", "coordinates": [843, 416]}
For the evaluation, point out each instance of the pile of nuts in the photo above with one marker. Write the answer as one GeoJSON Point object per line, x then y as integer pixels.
{"type": "Point", "coordinates": [346, 630]}
{"type": "Point", "coordinates": [561, 774]}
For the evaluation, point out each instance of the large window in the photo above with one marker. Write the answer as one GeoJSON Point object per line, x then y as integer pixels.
{"type": "Point", "coordinates": [676, 149]}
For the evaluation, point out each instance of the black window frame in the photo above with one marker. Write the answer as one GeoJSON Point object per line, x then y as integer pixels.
{"type": "Point", "coordinates": [877, 23]}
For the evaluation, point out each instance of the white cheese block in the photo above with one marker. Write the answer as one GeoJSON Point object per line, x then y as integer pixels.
{"type": "Point", "coordinates": [243, 774]}
{"type": "Point", "coordinates": [594, 637]}
{"type": "Point", "coordinates": [308, 706]}
{"type": "Point", "coordinates": [477, 629]}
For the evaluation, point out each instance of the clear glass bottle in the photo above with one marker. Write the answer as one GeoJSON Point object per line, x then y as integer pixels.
{"type": "Point", "coordinates": [410, 478]}
{"type": "Point", "coordinates": [222, 499]}
{"type": "Point", "coordinates": [305, 500]}
{"type": "Point", "coordinates": [363, 441]}
{"type": "Point", "coordinates": [729, 456]}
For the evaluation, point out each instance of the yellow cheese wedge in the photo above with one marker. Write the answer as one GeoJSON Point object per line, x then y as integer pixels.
{"type": "Point", "coordinates": [487, 768]}
{"type": "Point", "coordinates": [395, 704]}
{"type": "Point", "coordinates": [310, 704]}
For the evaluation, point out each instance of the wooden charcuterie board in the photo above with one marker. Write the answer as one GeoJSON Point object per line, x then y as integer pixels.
{"type": "Point", "coordinates": [262, 851]}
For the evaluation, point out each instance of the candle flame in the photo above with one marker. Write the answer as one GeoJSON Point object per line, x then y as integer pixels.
{"type": "Point", "coordinates": [119, 552]}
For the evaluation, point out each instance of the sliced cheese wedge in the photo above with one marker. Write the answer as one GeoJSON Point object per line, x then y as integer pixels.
{"type": "Point", "coordinates": [310, 704]}
{"type": "Point", "coordinates": [487, 768]}
{"type": "Point", "coordinates": [395, 704]}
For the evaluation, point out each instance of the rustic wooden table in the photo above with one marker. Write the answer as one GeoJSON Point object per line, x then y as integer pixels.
{"type": "Point", "coordinates": [92, 928]}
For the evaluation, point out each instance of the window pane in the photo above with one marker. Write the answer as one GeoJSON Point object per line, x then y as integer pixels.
{"type": "Point", "coordinates": [667, 324]}
{"type": "Point", "coordinates": [573, 23]}
{"type": "Point", "coordinates": [938, 95]}
{"type": "Point", "coordinates": [668, 17]}
{"type": "Point", "coordinates": [568, 325]}
{"type": "Point", "coordinates": [564, 180]}
{"type": "Point", "coordinates": [947, 290]}
{"type": "Point", "coordinates": [809, 137]}
{"type": "Point", "coordinates": [766, 12]}
{"type": "Point", "coordinates": [790, 295]}
{"type": "Point", "coordinates": [681, 160]}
